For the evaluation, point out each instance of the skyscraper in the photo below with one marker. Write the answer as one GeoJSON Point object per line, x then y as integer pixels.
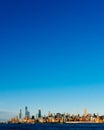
{"type": "Point", "coordinates": [39, 113]}
{"type": "Point", "coordinates": [27, 113]}
{"type": "Point", "coordinates": [20, 114]}
{"type": "Point", "coordinates": [85, 112]}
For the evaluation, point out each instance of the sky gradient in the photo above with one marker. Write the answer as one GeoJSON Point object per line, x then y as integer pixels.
{"type": "Point", "coordinates": [52, 55]}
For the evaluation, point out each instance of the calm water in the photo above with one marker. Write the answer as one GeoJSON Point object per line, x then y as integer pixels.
{"type": "Point", "coordinates": [52, 127]}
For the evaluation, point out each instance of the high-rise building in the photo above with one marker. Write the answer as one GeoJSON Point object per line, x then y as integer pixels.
{"type": "Point", "coordinates": [27, 113]}
{"type": "Point", "coordinates": [49, 114]}
{"type": "Point", "coordinates": [20, 114]}
{"type": "Point", "coordinates": [39, 113]}
{"type": "Point", "coordinates": [85, 112]}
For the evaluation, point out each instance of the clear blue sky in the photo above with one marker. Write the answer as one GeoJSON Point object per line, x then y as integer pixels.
{"type": "Point", "coordinates": [52, 55]}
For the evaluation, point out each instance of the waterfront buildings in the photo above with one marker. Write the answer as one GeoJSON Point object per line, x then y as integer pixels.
{"type": "Point", "coordinates": [57, 118]}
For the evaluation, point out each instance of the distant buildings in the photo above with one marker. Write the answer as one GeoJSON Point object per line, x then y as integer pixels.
{"type": "Point", "coordinates": [57, 118]}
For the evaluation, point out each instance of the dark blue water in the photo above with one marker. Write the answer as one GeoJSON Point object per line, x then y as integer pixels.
{"type": "Point", "coordinates": [51, 126]}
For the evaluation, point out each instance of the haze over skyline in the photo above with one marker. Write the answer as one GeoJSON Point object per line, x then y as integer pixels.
{"type": "Point", "coordinates": [52, 55]}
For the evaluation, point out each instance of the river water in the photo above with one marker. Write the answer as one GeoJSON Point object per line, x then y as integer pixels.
{"type": "Point", "coordinates": [52, 126]}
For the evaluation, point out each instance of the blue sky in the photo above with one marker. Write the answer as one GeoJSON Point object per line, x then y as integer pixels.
{"type": "Point", "coordinates": [51, 55]}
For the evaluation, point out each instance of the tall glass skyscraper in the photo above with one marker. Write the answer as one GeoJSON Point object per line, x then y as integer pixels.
{"type": "Point", "coordinates": [27, 113]}
{"type": "Point", "coordinates": [39, 113]}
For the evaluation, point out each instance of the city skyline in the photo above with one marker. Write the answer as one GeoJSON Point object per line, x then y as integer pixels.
{"type": "Point", "coordinates": [51, 56]}
{"type": "Point", "coordinates": [26, 113]}
{"type": "Point", "coordinates": [51, 117]}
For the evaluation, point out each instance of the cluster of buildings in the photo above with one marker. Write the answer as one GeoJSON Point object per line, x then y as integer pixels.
{"type": "Point", "coordinates": [57, 118]}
